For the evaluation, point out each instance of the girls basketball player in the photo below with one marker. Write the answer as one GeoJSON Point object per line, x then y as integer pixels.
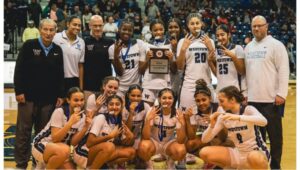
{"type": "Point", "coordinates": [126, 55]}
{"type": "Point", "coordinates": [137, 110]}
{"type": "Point", "coordinates": [197, 120]}
{"type": "Point", "coordinates": [228, 66]}
{"type": "Point", "coordinates": [66, 127]}
{"type": "Point", "coordinates": [158, 134]}
{"type": "Point", "coordinates": [97, 102]}
{"type": "Point", "coordinates": [153, 82]}
{"type": "Point", "coordinates": [174, 35]}
{"type": "Point", "coordinates": [192, 54]}
{"type": "Point", "coordinates": [106, 140]}
{"type": "Point", "coordinates": [250, 151]}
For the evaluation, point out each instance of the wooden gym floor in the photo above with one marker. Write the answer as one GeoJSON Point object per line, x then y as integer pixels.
{"type": "Point", "coordinates": [289, 127]}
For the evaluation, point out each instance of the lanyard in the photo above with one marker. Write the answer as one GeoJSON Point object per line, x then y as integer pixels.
{"type": "Point", "coordinates": [159, 42]}
{"type": "Point", "coordinates": [113, 120]}
{"type": "Point", "coordinates": [67, 112]}
{"type": "Point", "coordinates": [161, 126]}
{"type": "Point", "coordinates": [124, 56]}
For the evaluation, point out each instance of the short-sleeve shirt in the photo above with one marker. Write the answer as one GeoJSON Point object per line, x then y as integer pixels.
{"type": "Point", "coordinates": [226, 72]}
{"type": "Point", "coordinates": [130, 62]}
{"type": "Point", "coordinates": [59, 119]}
{"type": "Point", "coordinates": [156, 81]}
{"type": "Point", "coordinates": [167, 131]}
{"type": "Point", "coordinates": [73, 53]}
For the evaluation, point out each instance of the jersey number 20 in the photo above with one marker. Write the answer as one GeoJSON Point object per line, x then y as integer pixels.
{"type": "Point", "coordinates": [200, 57]}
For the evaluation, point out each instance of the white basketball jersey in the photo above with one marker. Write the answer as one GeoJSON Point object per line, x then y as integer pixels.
{"type": "Point", "coordinates": [226, 72]}
{"type": "Point", "coordinates": [196, 65]}
{"type": "Point", "coordinates": [130, 62]}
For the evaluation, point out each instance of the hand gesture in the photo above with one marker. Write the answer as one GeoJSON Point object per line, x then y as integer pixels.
{"type": "Point", "coordinates": [174, 42]}
{"type": "Point", "coordinates": [206, 118]}
{"type": "Point", "coordinates": [133, 106]}
{"type": "Point", "coordinates": [187, 41]}
{"type": "Point", "coordinates": [116, 131]}
{"type": "Point", "coordinates": [118, 48]}
{"type": "Point", "coordinates": [100, 101]}
{"type": "Point", "coordinates": [227, 52]}
{"type": "Point", "coordinates": [149, 54]}
{"type": "Point", "coordinates": [211, 56]}
{"type": "Point", "coordinates": [153, 112]}
{"type": "Point", "coordinates": [213, 118]}
{"type": "Point", "coordinates": [207, 42]}
{"type": "Point", "coordinates": [180, 117]}
{"type": "Point", "coordinates": [188, 113]}
{"type": "Point", "coordinates": [20, 98]}
{"type": "Point", "coordinates": [127, 133]}
{"type": "Point", "coordinates": [169, 54]}
{"type": "Point", "coordinates": [89, 118]}
{"type": "Point", "coordinates": [75, 117]}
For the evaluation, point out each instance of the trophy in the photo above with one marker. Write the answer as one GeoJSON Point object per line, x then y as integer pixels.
{"type": "Point", "coordinates": [159, 63]}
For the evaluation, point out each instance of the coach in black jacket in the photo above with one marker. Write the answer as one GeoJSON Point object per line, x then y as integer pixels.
{"type": "Point", "coordinates": [39, 87]}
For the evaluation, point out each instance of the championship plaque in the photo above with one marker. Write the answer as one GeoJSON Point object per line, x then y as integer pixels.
{"type": "Point", "coordinates": [159, 63]}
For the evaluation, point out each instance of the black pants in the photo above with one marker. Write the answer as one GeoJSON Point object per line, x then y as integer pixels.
{"type": "Point", "coordinates": [273, 114]}
{"type": "Point", "coordinates": [70, 82]}
{"type": "Point", "coordinates": [29, 114]}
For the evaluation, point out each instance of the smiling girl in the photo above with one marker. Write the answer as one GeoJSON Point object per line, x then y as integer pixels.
{"type": "Point", "coordinates": [154, 82]}
{"type": "Point", "coordinates": [228, 65]}
{"type": "Point", "coordinates": [107, 139]}
{"type": "Point", "coordinates": [126, 54]}
{"type": "Point", "coordinates": [242, 123]}
{"type": "Point", "coordinates": [67, 126]}
{"type": "Point", "coordinates": [73, 48]}
{"type": "Point", "coordinates": [97, 102]}
{"type": "Point", "coordinates": [192, 54]}
{"type": "Point", "coordinates": [158, 134]}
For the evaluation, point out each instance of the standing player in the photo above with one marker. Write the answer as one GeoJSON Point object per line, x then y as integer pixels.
{"type": "Point", "coordinates": [192, 55]}
{"type": "Point", "coordinates": [126, 55]}
{"type": "Point", "coordinates": [67, 126]}
{"type": "Point", "coordinates": [73, 50]}
{"type": "Point", "coordinates": [160, 125]}
{"type": "Point", "coordinates": [153, 83]}
{"type": "Point", "coordinates": [228, 66]}
{"type": "Point", "coordinates": [174, 34]}
{"type": "Point", "coordinates": [250, 151]}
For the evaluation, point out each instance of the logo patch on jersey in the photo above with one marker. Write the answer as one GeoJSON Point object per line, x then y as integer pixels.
{"type": "Point", "coordinates": [77, 46]}
{"type": "Point", "coordinates": [36, 52]}
{"type": "Point", "coordinates": [90, 47]}
{"type": "Point", "coordinates": [147, 96]}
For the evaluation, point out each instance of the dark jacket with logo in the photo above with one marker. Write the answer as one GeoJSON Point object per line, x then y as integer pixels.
{"type": "Point", "coordinates": [38, 76]}
{"type": "Point", "coordinates": [96, 62]}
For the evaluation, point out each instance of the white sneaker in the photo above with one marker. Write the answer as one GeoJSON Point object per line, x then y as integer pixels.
{"type": "Point", "coordinates": [190, 159]}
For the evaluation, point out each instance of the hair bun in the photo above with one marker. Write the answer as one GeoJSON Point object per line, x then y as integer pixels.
{"type": "Point", "coordinates": [201, 84]}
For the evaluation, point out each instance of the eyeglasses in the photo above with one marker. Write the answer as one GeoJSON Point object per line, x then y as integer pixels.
{"type": "Point", "coordinates": [258, 26]}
